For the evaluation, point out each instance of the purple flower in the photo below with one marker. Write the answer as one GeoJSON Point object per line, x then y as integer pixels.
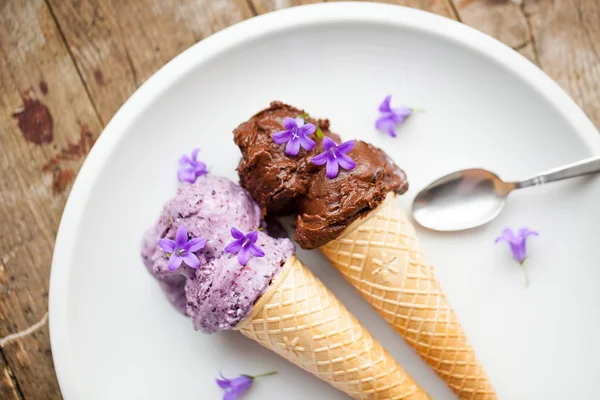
{"type": "Point", "coordinates": [236, 386]}
{"type": "Point", "coordinates": [390, 117]}
{"type": "Point", "coordinates": [182, 249]}
{"type": "Point", "coordinates": [517, 245]}
{"type": "Point", "coordinates": [295, 134]}
{"type": "Point", "coordinates": [190, 168]}
{"type": "Point", "coordinates": [244, 245]}
{"type": "Point", "coordinates": [335, 156]}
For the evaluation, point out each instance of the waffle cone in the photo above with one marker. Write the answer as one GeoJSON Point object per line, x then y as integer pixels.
{"type": "Point", "coordinates": [302, 321]}
{"type": "Point", "coordinates": [380, 256]}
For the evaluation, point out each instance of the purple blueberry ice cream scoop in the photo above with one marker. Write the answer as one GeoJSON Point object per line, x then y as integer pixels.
{"type": "Point", "coordinates": [224, 292]}
{"type": "Point", "coordinates": [221, 292]}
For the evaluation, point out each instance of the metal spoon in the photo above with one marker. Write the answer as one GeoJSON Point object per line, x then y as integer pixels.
{"type": "Point", "coordinates": [472, 197]}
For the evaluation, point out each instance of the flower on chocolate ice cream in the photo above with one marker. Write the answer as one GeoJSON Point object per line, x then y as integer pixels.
{"type": "Point", "coordinates": [517, 243]}
{"type": "Point", "coordinates": [244, 245]}
{"type": "Point", "coordinates": [335, 157]}
{"type": "Point", "coordinates": [318, 133]}
{"type": "Point", "coordinates": [190, 168]}
{"type": "Point", "coordinates": [390, 117]}
{"type": "Point", "coordinates": [296, 134]}
{"type": "Point", "coordinates": [236, 386]}
{"type": "Point", "coordinates": [181, 249]}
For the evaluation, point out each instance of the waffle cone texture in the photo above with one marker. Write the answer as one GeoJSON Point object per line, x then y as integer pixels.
{"type": "Point", "coordinates": [302, 321]}
{"type": "Point", "coordinates": [380, 256]}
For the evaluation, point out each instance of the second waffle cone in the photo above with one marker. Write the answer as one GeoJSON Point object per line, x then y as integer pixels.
{"type": "Point", "coordinates": [380, 256]}
{"type": "Point", "coordinates": [302, 321]}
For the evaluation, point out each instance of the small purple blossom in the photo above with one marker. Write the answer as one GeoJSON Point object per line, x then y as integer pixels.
{"type": "Point", "coordinates": [517, 244]}
{"type": "Point", "coordinates": [390, 117]}
{"type": "Point", "coordinates": [296, 134]}
{"type": "Point", "coordinates": [236, 386]}
{"type": "Point", "coordinates": [182, 249]}
{"type": "Point", "coordinates": [335, 157]}
{"type": "Point", "coordinates": [190, 168]}
{"type": "Point", "coordinates": [244, 245]}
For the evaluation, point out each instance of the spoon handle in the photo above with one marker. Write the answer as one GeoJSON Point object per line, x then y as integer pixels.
{"type": "Point", "coordinates": [579, 168]}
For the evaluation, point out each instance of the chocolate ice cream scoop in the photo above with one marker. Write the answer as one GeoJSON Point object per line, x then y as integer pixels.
{"type": "Point", "coordinates": [332, 204]}
{"type": "Point", "coordinates": [275, 179]}
{"type": "Point", "coordinates": [286, 184]}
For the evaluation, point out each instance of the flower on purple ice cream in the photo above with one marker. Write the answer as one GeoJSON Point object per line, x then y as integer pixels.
{"type": "Point", "coordinates": [517, 244]}
{"type": "Point", "coordinates": [236, 386]}
{"type": "Point", "coordinates": [181, 249]}
{"type": "Point", "coordinates": [390, 117]}
{"type": "Point", "coordinates": [190, 168]}
{"type": "Point", "coordinates": [244, 245]}
{"type": "Point", "coordinates": [335, 157]}
{"type": "Point", "coordinates": [296, 134]}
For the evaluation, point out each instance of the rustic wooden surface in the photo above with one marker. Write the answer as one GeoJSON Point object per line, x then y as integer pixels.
{"type": "Point", "coordinates": [66, 66]}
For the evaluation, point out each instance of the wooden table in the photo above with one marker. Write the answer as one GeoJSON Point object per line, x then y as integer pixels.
{"type": "Point", "coordinates": [66, 66]}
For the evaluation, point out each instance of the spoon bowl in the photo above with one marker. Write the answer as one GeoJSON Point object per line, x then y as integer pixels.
{"type": "Point", "coordinates": [461, 200]}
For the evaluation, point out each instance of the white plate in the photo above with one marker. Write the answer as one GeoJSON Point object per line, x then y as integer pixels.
{"type": "Point", "coordinates": [114, 336]}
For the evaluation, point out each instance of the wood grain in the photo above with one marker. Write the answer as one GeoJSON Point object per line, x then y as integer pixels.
{"type": "Point", "coordinates": [119, 44]}
{"type": "Point", "coordinates": [567, 37]}
{"type": "Point", "coordinates": [562, 37]}
{"type": "Point", "coordinates": [503, 20]}
{"type": "Point", "coordinates": [442, 7]}
{"type": "Point", "coordinates": [43, 106]}
{"type": "Point", "coordinates": [8, 384]}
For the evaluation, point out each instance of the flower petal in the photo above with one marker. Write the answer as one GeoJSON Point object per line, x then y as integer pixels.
{"type": "Point", "coordinates": [320, 159]}
{"type": "Point", "coordinates": [507, 234]}
{"type": "Point", "coordinates": [230, 395]}
{"type": "Point", "coordinates": [181, 237]}
{"type": "Point", "coordinates": [402, 112]}
{"type": "Point", "coordinates": [243, 255]}
{"type": "Point", "coordinates": [391, 131]}
{"type": "Point", "coordinates": [236, 233]}
{"type": "Point", "coordinates": [332, 169]}
{"type": "Point", "coordinates": [525, 233]}
{"type": "Point", "coordinates": [385, 105]}
{"type": "Point", "coordinates": [174, 262]}
{"type": "Point", "coordinates": [346, 162]}
{"type": "Point", "coordinates": [299, 122]}
{"type": "Point", "coordinates": [184, 160]}
{"type": "Point", "coordinates": [252, 236]}
{"type": "Point", "coordinates": [282, 137]}
{"type": "Point", "coordinates": [195, 154]}
{"type": "Point", "coordinates": [293, 147]}
{"type": "Point", "coordinates": [256, 251]}
{"type": "Point", "coordinates": [200, 165]}
{"type": "Point", "coordinates": [190, 259]}
{"type": "Point", "coordinates": [186, 175]}
{"type": "Point", "coordinates": [223, 383]}
{"type": "Point", "coordinates": [384, 122]}
{"type": "Point", "coordinates": [200, 171]}
{"type": "Point", "coordinates": [167, 245]}
{"type": "Point", "coordinates": [346, 147]}
{"type": "Point", "coordinates": [195, 244]}
{"type": "Point", "coordinates": [289, 123]}
{"type": "Point", "coordinates": [307, 130]}
{"type": "Point", "coordinates": [241, 383]}
{"type": "Point", "coordinates": [328, 143]}
{"type": "Point", "coordinates": [518, 251]}
{"type": "Point", "coordinates": [307, 143]}
{"type": "Point", "coordinates": [234, 246]}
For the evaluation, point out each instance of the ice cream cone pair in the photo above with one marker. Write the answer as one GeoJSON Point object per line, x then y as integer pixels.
{"type": "Point", "coordinates": [299, 319]}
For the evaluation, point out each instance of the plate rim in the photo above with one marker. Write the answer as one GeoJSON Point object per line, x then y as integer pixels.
{"type": "Point", "coordinates": [235, 35]}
